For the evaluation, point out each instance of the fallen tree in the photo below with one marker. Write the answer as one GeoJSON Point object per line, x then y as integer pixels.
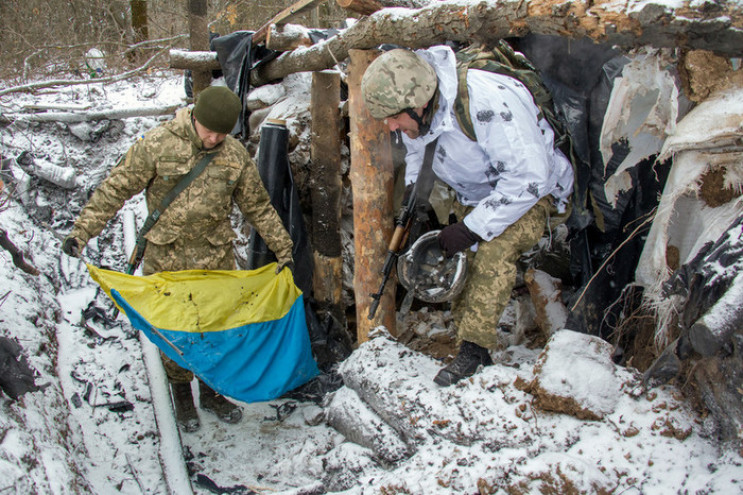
{"type": "Point", "coordinates": [89, 116]}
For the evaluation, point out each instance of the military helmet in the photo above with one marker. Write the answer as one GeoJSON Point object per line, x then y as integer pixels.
{"type": "Point", "coordinates": [397, 80]}
{"type": "Point", "coordinates": [425, 271]}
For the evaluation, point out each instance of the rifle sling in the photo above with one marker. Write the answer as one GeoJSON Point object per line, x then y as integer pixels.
{"type": "Point", "coordinates": [153, 217]}
{"type": "Point", "coordinates": [424, 182]}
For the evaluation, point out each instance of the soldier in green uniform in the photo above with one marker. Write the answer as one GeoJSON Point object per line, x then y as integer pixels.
{"type": "Point", "coordinates": [194, 231]}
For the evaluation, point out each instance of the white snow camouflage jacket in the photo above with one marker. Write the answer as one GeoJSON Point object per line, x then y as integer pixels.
{"type": "Point", "coordinates": [512, 165]}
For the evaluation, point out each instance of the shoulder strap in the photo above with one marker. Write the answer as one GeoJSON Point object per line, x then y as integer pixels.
{"type": "Point", "coordinates": [424, 182]}
{"type": "Point", "coordinates": [153, 217]}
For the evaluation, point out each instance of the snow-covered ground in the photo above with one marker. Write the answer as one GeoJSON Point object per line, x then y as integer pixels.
{"type": "Point", "coordinates": [91, 427]}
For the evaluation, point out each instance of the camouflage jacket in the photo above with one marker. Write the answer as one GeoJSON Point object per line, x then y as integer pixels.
{"type": "Point", "coordinates": [158, 161]}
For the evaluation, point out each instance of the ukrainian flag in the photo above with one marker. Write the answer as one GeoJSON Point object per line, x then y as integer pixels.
{"type": "Point", "coordinates": [244, 333]}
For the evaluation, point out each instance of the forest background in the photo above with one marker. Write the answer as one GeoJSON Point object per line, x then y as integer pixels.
{"type": "Point", "coordinates": [41, 38]}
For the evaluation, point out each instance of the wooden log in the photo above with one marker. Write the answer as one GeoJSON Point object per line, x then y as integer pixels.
{"type": "Point", "coordinates": [363, 7]}
{"type": "Point", "coordinates": [366, 7]}
{"type": "Point", "coordinates": [72, 117]}
{"type": "Point", "coordinates": [287, 37]}
{"type": "Point", "coordinates": [372, 181]}
{"type": "Point", "coordinates": [199, 40]}
{"type": "Point", "coordinates": [326, 191]}
{"type": "Point", "coordinates": [281, 18]}
{"type": "Point", "coordinates": [198, 60]}
{"type": "Point", "coordinates": [627, 27]}
{"type": "Point", "coordinates": [348, 414]}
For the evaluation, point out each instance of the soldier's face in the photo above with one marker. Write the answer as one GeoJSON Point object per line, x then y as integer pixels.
{"type": "Point", "coordinates": [403, 122]}
{"type": "Point", "coordinates": [209, 138]}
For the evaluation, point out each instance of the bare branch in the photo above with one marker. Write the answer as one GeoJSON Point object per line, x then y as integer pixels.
{"type": "Point", "coordinates": [16, 254]}
{"type": "Point", "coordinates": [67, 82]}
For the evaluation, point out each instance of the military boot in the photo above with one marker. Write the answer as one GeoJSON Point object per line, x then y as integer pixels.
{"type": "Point", "coordinates": [185, 411]}
{"type": "Point", "coordinates": [471, 356]}
{"type": "Point", "coordinates": [215, 403]}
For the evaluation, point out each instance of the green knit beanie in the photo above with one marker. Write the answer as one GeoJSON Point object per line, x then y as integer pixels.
{"type": "Point", "coordinates": [217, 108]}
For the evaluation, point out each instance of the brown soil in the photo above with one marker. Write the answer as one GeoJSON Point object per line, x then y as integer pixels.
{"type": "Point", "coordinates": [712, 189]}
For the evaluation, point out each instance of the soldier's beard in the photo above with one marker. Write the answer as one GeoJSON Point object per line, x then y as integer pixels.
{"type": "Point", "coordinates": [412, 133]}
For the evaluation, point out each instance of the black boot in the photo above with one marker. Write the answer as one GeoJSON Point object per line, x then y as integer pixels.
{"type": "Point", "coordinates": [215, 403]}
{"type": "Point", "coordinates": [471, 356]}
{"type": "Point", "coordinates": [185, 411]}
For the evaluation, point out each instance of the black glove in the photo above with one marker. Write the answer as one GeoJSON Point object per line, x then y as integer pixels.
{"type": "Point", "coordinates": [456, 237]}
{"type": "Point", "coordinates": [71, 247]}
{"type": "Point", "coordinates": [280, 265]}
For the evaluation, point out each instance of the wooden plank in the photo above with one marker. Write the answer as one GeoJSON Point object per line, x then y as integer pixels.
{"type": "Point", "coordinates": [280, 18]}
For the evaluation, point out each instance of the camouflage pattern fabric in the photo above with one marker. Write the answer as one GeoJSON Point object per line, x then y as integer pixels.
{"type": "Point", "coordinates": [491, 275]}
{"type": "Point", "coordinates": [174, 372]}
{"type": "Point", "coordinates": [194, 232]}
{"type": "Point", "coordinates": [397, 80]}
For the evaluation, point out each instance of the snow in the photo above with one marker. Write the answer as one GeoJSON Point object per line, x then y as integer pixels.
{"type": "Point", "coordinates": [92, 427]}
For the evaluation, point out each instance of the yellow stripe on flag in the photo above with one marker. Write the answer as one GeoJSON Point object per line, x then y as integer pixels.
{"type": "Point", "coordinates": [204, 300]}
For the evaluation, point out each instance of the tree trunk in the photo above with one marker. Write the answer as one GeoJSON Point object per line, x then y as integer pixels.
{"type": "Point", "coordinates": [139, 20]}
{"type": "Point", "coordinates": [656, 25]}
{"type": "Point", "coordinates": [372, 181]}
{"type": "Point", "coordinates": [199, 36]}
{"type": "Point", "coordinates": [326, 191]}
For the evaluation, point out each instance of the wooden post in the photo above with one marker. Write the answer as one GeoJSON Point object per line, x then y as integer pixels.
{"type": "Point", "coordinates": [372, 180]}
{"type": "Point", "coordinates": [325, 152]}
{"type": "Point", "coordinates": [199, 36]}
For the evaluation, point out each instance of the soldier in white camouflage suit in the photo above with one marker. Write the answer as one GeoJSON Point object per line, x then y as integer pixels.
{"type": "Point", "coordinates": [507, 182]}
{"type": "Point", "coordinates": [194, 231]}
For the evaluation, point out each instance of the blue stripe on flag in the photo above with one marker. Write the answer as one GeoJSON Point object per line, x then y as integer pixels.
{"type": "Point", "coordinates": [251, 363]}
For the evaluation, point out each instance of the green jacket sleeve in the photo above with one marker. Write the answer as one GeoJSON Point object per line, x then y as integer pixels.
{"type": "Point", "coordinates": [128, 177]}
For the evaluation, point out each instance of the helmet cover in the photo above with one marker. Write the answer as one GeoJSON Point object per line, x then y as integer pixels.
{"type": "Point", "coordinates": [395, 81]}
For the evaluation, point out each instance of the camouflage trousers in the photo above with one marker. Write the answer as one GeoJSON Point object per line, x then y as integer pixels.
{"type": "Point", "coordinates": [185, 254]}
{"type": "Point", "coordinates": [491, 275]}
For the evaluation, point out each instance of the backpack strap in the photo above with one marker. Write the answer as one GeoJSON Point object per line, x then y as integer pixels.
{"type": "Point", "coordinates": [502, 59]}
{"type": "Point", "coordinates": [153, 217]}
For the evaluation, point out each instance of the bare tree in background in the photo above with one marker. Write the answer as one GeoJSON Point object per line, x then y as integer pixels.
{"type": "Point", "coordinates": [199, 36]}
{"type": "Point", "coordinates": [139, 20]}
{"type": "Point", "coordinates": [114, 26]}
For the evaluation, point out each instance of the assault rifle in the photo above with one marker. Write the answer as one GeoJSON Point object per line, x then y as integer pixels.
{"type": "Point", "coordinates": [422, 188]}
{"type": "Point", "coordinates": [399, 238]}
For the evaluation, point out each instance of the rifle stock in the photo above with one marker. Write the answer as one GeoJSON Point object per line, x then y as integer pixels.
{"type": "Point", "coordinates": [399, 237]}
